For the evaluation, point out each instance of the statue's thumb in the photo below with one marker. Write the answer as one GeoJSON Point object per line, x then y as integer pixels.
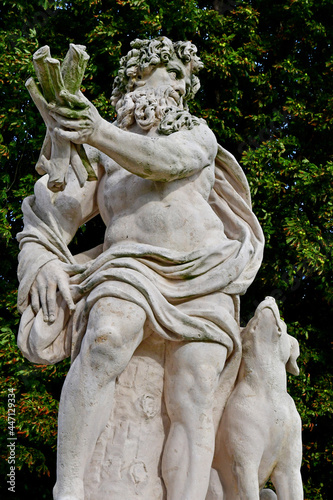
{"type": "Point", "coordinates": [45, 164]}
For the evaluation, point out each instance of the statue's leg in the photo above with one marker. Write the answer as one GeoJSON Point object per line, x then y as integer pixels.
{"type": "Point", "coordinates": [114, 330]}
{"type": "Point", "coordinates": [267, 495]}
{"type": "Point", "coordinates": [192, 374]}
{"type": "Point", "coordinates": [243, 482]}
{"type": "Point", "coordinates": [288, 482]}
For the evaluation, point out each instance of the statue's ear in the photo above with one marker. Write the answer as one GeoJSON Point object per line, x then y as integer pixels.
{"type": "Point", "coordinates": [291, 365]}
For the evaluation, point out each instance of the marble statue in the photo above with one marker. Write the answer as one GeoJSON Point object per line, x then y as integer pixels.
{"type": "Point", "coordinates": [150, 318]}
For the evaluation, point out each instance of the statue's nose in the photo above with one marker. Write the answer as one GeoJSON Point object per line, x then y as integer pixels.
{"type": "Point", "coordinates": [180, 87]}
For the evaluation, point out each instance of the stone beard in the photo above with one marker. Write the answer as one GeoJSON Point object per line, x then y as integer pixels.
{"type": "Point", "coordinates": [148, 106]}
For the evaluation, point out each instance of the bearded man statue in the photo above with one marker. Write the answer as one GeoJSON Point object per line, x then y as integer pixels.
{"type": "Point", "coordinates": [181, 245]}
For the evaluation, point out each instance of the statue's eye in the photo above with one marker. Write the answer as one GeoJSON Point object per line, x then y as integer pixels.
{"type": "Point", "coordinates": [173, 74]}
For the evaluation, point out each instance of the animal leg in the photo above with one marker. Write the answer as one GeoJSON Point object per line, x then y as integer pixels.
{"type": "Point", "coordinates": [268, 495]}
{"type": "Point", "coordinates": [288, 484]}
{"type": "Point", "coordinates": [245, 487]}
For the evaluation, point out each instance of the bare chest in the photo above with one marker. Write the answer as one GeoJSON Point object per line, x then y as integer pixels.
{"type": "Point", "coordinates": [174, 215]}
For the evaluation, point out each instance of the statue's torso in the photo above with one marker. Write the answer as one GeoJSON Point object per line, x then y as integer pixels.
{"type": "Point", "coordinates": [173, 215]}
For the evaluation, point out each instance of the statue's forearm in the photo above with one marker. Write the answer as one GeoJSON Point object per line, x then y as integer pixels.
{"type": "Point", "coordinates": [164, 158]}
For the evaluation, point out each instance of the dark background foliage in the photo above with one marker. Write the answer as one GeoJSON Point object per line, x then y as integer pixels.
{"type": "Point", "coordinates": [267, 94]}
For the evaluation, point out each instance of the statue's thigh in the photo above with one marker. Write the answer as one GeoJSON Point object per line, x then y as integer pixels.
{"type": "Point", "coordinates": [193, 370]}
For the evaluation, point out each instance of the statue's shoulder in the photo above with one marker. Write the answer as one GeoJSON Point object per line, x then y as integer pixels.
{"type": "Point", "coordinates": [175, 120]}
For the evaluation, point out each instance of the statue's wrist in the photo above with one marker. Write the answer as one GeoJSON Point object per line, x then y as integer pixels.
{"type": "Point", "coordinates": [96, 132]}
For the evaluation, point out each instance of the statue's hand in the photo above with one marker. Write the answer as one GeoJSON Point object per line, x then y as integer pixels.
{"type": "Point", "coordinates": [77, 118]}
{"type": "Point", "coordinates": [50, 278]}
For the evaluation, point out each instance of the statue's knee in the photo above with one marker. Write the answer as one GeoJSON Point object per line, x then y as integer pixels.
{"type": "Point", "coordinates": [106, 343]}
{"type": "Point", "coordinates": [193, 387]}
{"type": "Point", "coordinates": [111, 345]}
{"type": "Point", "coordinates": [193, 374]}
{"type": "Point", "coordinates": [106, 355]}
{"type": "Point", "coordinates": [115, 321]}
{"type": "Point", "coordinates": [206, 379]}
{"type": "Point", "coordinates": [107, 339]}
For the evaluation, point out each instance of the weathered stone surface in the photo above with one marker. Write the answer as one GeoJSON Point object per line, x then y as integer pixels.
{"type": "Point", "coordinates": [151, 317]}
{"type": "Point", "coordinates": [127, 458]}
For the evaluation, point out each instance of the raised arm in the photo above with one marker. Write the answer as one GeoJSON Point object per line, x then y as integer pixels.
{"type": "Point", "coordinates": [162, 158]}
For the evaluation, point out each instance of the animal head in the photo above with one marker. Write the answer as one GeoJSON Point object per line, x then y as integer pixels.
{"type": "Point", "coordinates": [270, 330]}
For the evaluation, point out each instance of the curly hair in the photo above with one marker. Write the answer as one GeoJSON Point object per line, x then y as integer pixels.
{"type": "Point", "coordinates": [147, 54]}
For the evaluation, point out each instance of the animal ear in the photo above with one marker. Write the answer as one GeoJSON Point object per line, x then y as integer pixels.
{"type": "Point", "coordinates": [291, 365]}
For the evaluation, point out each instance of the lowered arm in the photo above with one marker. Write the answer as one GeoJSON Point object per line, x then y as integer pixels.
{"type": "Point", "coordinates": [50, 222]}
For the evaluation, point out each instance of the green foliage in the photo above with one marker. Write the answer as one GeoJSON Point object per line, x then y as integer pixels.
{"type": "Point", "coordinates": [267, 94]}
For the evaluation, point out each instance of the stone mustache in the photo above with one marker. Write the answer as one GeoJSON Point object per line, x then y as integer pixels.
{"type": "Point", "coordinates": [150, 318]}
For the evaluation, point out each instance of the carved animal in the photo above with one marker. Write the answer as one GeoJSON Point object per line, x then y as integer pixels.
{"type": "Point", "coordinates": [259, 436]}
